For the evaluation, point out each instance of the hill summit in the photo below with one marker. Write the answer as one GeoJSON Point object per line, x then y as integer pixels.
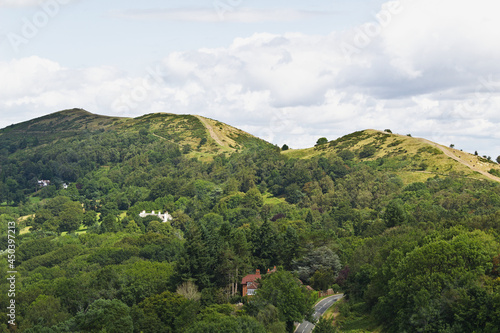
{"type": "Point", "coordinates": [200, 136]}
{"type": "Point", "coordinates": [413, 159]}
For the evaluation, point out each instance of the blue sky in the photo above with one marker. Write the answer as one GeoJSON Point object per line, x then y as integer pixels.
{"type": "Point", "coordinates": [287, 71]}
{"type": "Point", "coordinates": [130, 33]}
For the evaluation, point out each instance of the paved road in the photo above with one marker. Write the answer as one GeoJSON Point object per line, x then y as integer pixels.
{"type": "Point", "coordinates": [320, 309]}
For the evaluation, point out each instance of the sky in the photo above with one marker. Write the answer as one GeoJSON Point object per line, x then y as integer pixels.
{"type": "Point", "coordinates": [287, 71]}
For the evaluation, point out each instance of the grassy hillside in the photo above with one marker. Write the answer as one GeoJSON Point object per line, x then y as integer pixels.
{"type": "Point", "coordinates": [407, 229]}
{"type": "Point", "coordinates": [200, 137]}
{"type": "Point", "coordinates": [413, 159]}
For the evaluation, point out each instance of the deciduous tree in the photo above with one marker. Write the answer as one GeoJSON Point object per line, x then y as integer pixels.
{"type": "Point", "coordinates": [286, 293]}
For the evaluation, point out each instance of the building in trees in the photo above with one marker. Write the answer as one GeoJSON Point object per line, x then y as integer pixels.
{"type": "Point", "coordinates": [250, 284]}
{"type": "Point", "coordinates": [43, 183]}
{"type": "Point", "coordinates": [164, 217]}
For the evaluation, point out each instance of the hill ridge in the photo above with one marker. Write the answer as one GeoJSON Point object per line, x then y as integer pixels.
{"type": "Point", "coordinates": [199, 136]}
{"type": "Point", "coordinates": [459, 159]}
{"type": "Point", "coordinates": [456, 155]}
{"type": "Point", "coordinates": [203, 138]}
{"type": "Point", "coordinates": [419, 155]}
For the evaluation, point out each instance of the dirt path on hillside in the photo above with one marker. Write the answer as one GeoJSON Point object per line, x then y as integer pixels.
{"type": "Point", "coordinates": [452, 155]}
{"type": "Point", "coordinates": [164, 138]}
{"type": "Point", "coordinates": [212, 132]}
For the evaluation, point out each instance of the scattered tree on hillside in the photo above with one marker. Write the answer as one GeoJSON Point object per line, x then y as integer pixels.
{"type": "Point", "coordinates": [321, 141]}
{"type": "Point", "coordinates": [189, 290]}
{"type": "Point", "coordinates": [89, 218]}
{"type": "Point", "coordinates": [395, 213]}
{"type": "Point", "coordinates": [321, 259]}
{"type": "Point", "coordinates": [367, 151]}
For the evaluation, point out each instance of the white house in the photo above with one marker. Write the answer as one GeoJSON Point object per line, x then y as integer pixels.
{"type": "Point", "coordinates": [43, 183]}
{"type": "Point", "coordinates": [164, 217]}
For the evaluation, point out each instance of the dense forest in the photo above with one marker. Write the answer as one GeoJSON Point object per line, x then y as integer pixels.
{"type": "Point", "coordinates": [409, 237]}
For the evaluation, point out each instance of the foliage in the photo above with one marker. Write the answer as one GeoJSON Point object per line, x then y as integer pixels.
{"type": "Point", "coordinates": [419, 250]}
{"type": "Point", "coordinates": [322, 261]}
{"type": "Point", "coordinates": [324, 326]}
{"type": "Point", "coordinates": [285, 292]}
{"type": "Point", "coordinates": [367, 151]}
{"type": "Point", "coordinates": [105, 315]}
{"type": "Point", "coordinates": [321, 141]}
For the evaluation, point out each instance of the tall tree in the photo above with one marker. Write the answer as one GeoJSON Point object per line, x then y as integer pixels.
{"type": "Point", "coordinates": [286, 293]}
{"type": "Point", "coordinates": [71, 216]}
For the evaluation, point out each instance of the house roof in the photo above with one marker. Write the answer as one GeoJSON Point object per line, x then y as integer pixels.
{"type": "Point", "coordinates": [250, 278]}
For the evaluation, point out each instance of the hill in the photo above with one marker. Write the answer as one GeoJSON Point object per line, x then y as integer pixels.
{"type": "Point", "coordinates": [398, 224]}
{"type": "Point", "coordinates": [202, 137]}
{"type": "Point", "coordinates": [413, 159]}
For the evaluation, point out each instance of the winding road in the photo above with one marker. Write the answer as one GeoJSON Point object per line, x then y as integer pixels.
{"type": "Point", "coordinates": [319, 309]}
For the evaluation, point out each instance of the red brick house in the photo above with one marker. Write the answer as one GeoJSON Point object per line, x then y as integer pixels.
{"type": "Point", "coordinates": [249, 282]}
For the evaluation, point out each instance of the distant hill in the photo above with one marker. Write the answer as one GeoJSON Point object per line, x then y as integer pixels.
{"type": "Point", "coordinates": [413, 159]}
{"type": "Point", "coordinates": [202, 137]}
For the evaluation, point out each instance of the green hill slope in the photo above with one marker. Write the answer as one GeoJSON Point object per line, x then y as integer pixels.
{"type": "Point", "coordinates": [413, 159]}
{"type": "Point", "coordinates": [201, 137]}
{"type": "Point", "coordinates": [398, 224]}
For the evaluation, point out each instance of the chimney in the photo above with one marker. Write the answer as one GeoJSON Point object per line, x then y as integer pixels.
{"type": "Point", "coordinates": [257, 271]}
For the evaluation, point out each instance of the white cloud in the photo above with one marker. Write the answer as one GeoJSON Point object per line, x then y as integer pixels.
{"type": "Point", "coordinates": [429, 69]}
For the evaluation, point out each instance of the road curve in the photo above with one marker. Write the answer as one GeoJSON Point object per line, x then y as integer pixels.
{"type": "Point", "coordinates": [319, 309]}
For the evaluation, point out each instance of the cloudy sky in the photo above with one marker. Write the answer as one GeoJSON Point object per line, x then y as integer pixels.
{"type": "Point", "coordinates": [288, 71]}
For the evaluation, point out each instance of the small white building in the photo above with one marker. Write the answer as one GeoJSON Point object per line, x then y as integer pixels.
{"type": "Point", "coordinates": [43, 183]}
{"type": "Point", "coordinates": [164, 217]}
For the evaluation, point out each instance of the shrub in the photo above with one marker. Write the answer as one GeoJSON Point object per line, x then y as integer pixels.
{"type": "Point", "coordinates": [346, 155]}
{"type": "Point", "coordinates": [367, 151]}
{"type": "Point", "coordinates": [495, 172]}
{"type": "Point", "coordinates": [321, 141]}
